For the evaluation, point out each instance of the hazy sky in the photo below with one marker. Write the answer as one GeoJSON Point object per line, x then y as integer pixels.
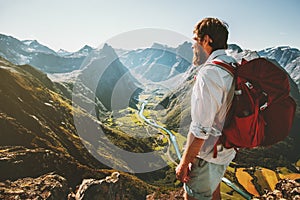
{"type": "Point", "coordinates": [70, 24]}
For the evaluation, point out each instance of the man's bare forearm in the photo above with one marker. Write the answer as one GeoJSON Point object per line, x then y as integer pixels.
{"type": "Point", "coordinates": [191, 150]}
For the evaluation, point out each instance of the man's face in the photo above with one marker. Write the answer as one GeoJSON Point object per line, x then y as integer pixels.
{"type": "Point", "coordinates": [199, 54]}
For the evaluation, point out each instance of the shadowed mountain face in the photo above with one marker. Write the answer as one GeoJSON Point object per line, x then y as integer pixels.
{"type": "Point", "coordinates": [112, 83]}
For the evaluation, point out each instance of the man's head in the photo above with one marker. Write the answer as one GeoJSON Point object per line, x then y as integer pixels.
{"type": "Point", "coordinates": [211, 34]}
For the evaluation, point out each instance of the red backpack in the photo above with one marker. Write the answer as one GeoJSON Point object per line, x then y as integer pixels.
{"type": "Point", "coordinates": [262, 110]}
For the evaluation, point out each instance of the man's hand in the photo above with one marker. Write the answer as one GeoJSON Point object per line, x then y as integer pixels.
{"type": "Point", "coordinates": [182, 172]}
{"type": "Point", "coordinates": [189, 154]}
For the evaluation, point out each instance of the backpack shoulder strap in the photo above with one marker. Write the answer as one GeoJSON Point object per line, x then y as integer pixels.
{"type": "Point", "coordinates": [229, 68]}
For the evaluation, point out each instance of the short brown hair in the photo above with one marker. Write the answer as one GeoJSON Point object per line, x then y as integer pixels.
{"type": "Point", "coordinates": [216, 29]}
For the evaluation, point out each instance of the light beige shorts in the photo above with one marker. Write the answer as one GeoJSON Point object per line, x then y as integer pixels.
{"type": "Point", "coordinates": [204, 179]}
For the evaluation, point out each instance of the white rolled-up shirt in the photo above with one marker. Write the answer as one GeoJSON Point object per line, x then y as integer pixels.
{"type": "Point", "coordinates": [211, 97]}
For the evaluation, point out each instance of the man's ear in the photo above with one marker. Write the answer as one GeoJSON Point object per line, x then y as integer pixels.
{"type": "Point", "coordinates": [209, 40]}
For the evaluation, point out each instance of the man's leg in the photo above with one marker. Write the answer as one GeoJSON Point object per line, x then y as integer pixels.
{"type": "Point", "coordinates": [204, 180]}
{"type": "Point", "coordinates": [187, 197]}
{"type": "Point", "coordinates": [217, 193]}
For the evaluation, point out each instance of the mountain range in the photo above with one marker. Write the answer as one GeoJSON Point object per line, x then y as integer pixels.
{"type": "Point", "coordinates": [143, 63]}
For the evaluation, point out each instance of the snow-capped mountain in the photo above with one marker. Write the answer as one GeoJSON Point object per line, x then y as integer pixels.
{"type": "Point", "coordinates": [159, 58]}
{"type": "Point", "coordinates": [35, 54]}
{"type": "Point", "coordinates": [35, 47]}
{"type": "Point", "coordinates": [282, 54]}
{"type": "Point", "coordinates": [287, 57]}
{"type": "Point", "coordinates": [293, 68]}
{"type": "Point", "coordinates": [14, 50]}
{"type": "Point", "coordinates": [83, 52]}
{"type": "Point", "coordinates": [63, 52]}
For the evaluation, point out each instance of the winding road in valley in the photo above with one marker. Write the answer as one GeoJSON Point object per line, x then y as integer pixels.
{"type": "Point", "coordinates": [173, 140]}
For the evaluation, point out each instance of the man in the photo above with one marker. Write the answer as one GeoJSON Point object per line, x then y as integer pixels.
{"type": "Point", "coordinates": [212, 94]}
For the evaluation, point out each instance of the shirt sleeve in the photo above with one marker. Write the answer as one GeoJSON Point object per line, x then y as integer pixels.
{"type": "Point", "coordinates": [206, 100]}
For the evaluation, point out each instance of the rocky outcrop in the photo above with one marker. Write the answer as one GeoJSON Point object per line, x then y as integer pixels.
{"type": "Point", "coordinates": [284, 189]}
{"type": "Point", "coordinates": [106, 188]}
{"type": "Point", "coordinates": [43, 174]}
{"type": "Point", "coordinates": [171, 194]}
{"type": "Point", "coordinates": [48, 186]}
{"type": "Point", "coordinates": [20, 162]}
